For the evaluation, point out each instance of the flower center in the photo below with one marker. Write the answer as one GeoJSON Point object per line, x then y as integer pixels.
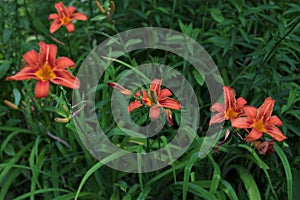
{"type": "Point", "coordinates": [230, 114]}
{"type": "Point", "coordinates": [65, 20]}
{"type": "Point", "coordinates": [259, 125]}
{"type": "Point", "coordinates": [45, 73]}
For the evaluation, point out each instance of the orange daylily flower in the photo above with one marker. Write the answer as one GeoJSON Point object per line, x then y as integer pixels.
{"type": "Point", "coordinates": [157, 98]}
{"type": "Point", "coordinates": [65, 17]}
{"type": "Point", "coordinates": [45, 68]}
{"type": "Point", "coordinates": [233, 107]}
{"type": "Point", "coordinates": [260, 121]}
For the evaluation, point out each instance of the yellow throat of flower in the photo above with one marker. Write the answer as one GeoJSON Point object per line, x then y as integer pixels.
{"type": "Point", "coordinates": [230, 114]}
{"type": "Point", "coordinates": [65, 20]}
{"type": "Point", "coordinates": [259, 125]}
{"type": "Point", "coordinates": [45, 73]}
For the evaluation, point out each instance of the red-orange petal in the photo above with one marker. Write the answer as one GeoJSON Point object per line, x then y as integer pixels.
{"type": "Point", "coordinates": [71, 9]}
{"type": "Point", "coordinates": [61, 9]}
{"type": "Point", "coordinates": [169, 117]}
{"type": "Point", "coordinates": [164, 93]}
{"type": "Point", "coordinates": [154, 112]}
{"type": "Point", "coordinates": [53, 16]}
{"type": "Point", "coordinates": [56, 24]}
{"type": "Point", "coordinates": [276, 133]}
{"type": "Point", "coordinates": [134, 105]}
{"type": "Point", "coordinates": [24, 74]}
{"type": "Point", "coordinates": [275, 121]}
{"type": "Point", "coordinates": [48, 53]}
{"type": "Point", "coordinates": [155, 85]}
{"type": "Point", "coordinates": [31, 58]}
{"type": "Point", "coordinates": [70, 27]}
{"type": "Point", "coordinates": [250, 111]}
{"type": "Point", "coordinates": [41, 89]}
{"type": "Point", "coordinates": [265, 110]}
{"type": "Point", "coordinates": [217, 118]}
{"type": "Point", "coordinates": [229, 97]}
{"type": "Point", "coordinates": [64, 62]}
{"type": "Point", "coordinates": [241, 122]}
{"type": "Point", "coordinates": [253, 135]}
{"type": "Point", "coordinates": [79, 16]}
{"type": "Point", "coordinates": [170, 103]}
{"type": "Point", "coordinates": [217, 107]}
{"type": "Point", "coordinates": [66, 79]}
{"type": "Point", "coordinates": [240, 102]}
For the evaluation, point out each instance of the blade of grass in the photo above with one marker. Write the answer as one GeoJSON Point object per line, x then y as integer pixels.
{"type": "Point", "coordinates": [249, 182]}
{"type": "Point", "coordinates": [96, 167]}
{"type": "Point", "coordinates": [287, 169]}
{"type": "Point", "coordinates": [187, 171]}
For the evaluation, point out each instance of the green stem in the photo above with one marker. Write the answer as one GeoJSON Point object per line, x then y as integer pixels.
{"type": "Point", "coordinates": [69, 45]}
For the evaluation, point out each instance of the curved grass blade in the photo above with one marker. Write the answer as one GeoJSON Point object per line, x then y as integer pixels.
{"type": "Point", "coordinates": [249, 182]}
{"type": "Point", "coordinates": [96, 167]}
{"type": "Point", "coordinates": [287, 169]}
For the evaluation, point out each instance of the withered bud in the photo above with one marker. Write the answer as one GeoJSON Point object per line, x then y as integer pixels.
{"type": "Point", "coordinates": [100, 7]}
{"type": "Point", "coordinates": [11, 105]}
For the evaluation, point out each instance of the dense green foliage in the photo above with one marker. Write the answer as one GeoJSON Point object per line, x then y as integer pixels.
{"type": "Point", "coordinates": [256, 46]}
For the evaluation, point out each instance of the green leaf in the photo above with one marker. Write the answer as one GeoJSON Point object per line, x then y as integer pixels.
{"type": "Point", "coordinates": [287, 169]}
{"type": "Point", "coordinates": [249, 182]}
{"type": "Point", "coordinates": [17, 96]}
{"type": "Point", "coordinates": [198, 77]}
{"type": "Point", "coordinates": [216, 14]}
{"type": "Point", "coordinates": [4, 67]}
{"type": "Point", "coordinates": [6, 35]}
{"type": "Point", "coordinates": [96, 167]}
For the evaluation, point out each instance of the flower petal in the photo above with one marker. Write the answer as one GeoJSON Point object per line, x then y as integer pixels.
{"type": "Point", "coordinates": [79, 16]}
{"type": "Point", "coordinates": [41, 89]}
{"type": "Point", "coordinates": [265, 110]}
{"type": "Point", "coordinates": [146, 100]}
{"type": "Point", "coordinates": [66, 79]}
{"type": "Point", "coordinates": [134, 105]}
{"type": "Point", "coordinates": [229, 96]}
{"type": "Point", "coordinates": [240, 102]}
{"type": "Point", "coordinates": [164, 93]}
{"type": "Point", "coordinates": [253, 135]}
{"type": "Point", "coordinates": [217, 118]}
{"type": "Point", "coordinates": [276, 133]}
{"type": "Point", "coordinates": [64, 62]}
{"type": "Point", "coordinates": [155, 85]}
{"type": "Point", "coordinates": [48, 53]}
{"type": "Point", "coordinates": [61, 9]}
{"type": "Point", "coordinates": [170, 103]}
{"type": "Point", "coordinates": [70, 27]}
{"type": "Point", "coordinates": [53, 16]}
{"type": "Point", "coordinates": [24, 74]}
{"type": "Point", "coordinates": [71, 9]}
{"type": "Point", "coordinates": [241, 122]}
{"type": "Point", "coordinates": [56, 24]}
{"type": "Point", "coordinates": [154, 112]}
{"type": "Point", "coordinates": [31, 58]}
{"type": "Point", "coordinates": [275, 121]}
{"type": "Point", "coordinates": [250, 111]}
{"type": "Point", "coordinates": [217, 107]}
{"type": "Point", "coordinates": [169, 117]}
